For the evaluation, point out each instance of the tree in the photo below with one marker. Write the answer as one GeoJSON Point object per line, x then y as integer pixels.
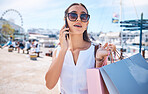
{"type": "Point", "coordinates": [7, 30]}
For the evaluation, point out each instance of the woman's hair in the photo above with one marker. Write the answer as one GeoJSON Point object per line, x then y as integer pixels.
{"type": "Point", "coordinates": [85, 35]}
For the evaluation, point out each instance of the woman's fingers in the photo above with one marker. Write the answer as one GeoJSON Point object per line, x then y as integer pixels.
{"type": "Point", "coordinates": [106, 44]}
{"type": "Point", "coordinates": [63, 29]}
{"type": "Point", "coordinates": [62, 35]}
{"type": "Point", "coordinates": [112, 47]}
{"type": "Point", "coordinates": [105, 50]}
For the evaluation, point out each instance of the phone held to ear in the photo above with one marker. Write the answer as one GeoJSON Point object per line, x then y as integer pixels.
{"type": "Point", "coordinates": [66, 26]}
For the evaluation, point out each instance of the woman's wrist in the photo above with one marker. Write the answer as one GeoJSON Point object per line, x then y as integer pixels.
{"type": "Point", "coordinates": [99, 62]}
{"type": "Point", "coordinates": [99, 58]}
{"type": "Point", "coordinates": [63, 49]}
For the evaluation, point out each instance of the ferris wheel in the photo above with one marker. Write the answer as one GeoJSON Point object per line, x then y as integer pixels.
{"type": "Point", "coordinates": [13, 16]}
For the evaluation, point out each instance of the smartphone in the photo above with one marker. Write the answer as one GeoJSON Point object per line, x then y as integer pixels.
{"type": "Point", "coordinates": [66, 26]}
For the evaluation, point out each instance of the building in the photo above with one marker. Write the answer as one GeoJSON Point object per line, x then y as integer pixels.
{"type": "Point", "coordinates": [135, 39]}
{"type": "Point", "coordinates": [19, 32]}
{"type": "Point", "coordinates": [43, 31]}
{"type": "Point", "coordinates": [128, 37]}
{"type": "Point", "coordinates": [111, 37]}
{"type": "Point", "coordinates": [46, 37]}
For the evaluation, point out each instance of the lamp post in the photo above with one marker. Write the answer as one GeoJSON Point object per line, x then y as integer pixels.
{"type": "Point", "coordinates": [141, 26]}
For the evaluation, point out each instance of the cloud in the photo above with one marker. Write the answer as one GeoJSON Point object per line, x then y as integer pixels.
{"type": "Point", "coordinates": [99, 5]}
{"type": "Point", "coordinates": [115, 3]}
{"type": "Point", "coordinates": [40, 13]}
{"type": "Point", "coordinates": [24, 4]}
{"type": "Point", "coordinates": [33, 10]}
{"type": "Point", "coordinates": [137, 3]}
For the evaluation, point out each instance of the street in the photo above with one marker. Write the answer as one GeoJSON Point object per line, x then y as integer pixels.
{"type": "Point", "coordinates": [20, 75]}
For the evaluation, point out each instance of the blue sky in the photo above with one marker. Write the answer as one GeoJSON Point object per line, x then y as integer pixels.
{"type": "Point", "coordinates": [49, 14]}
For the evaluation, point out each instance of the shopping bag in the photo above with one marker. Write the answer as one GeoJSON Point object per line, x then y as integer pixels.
{"type": "Point", "coordinates": [95, 82]}
{"type": "Point", "coordinates": [128, 76]}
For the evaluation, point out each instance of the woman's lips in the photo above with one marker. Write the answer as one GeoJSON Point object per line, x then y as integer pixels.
{"type": "Point", "coordinates": [78, 26]}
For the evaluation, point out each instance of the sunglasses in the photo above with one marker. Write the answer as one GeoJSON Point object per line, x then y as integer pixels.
{"type": "Point", "coordinates": [74, 16]}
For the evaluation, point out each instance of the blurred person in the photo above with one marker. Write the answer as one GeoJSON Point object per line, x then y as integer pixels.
{"type": "Point", "coordinates": [35, 47]}
{"type": "Point", "coordinates": [28, 46]}
{"type": "Point", "coordinates": [14, 45]}
{"type": "Point", "coordinates": [9, 43]}
{"type": "Point", "coordinates": [21, 46]}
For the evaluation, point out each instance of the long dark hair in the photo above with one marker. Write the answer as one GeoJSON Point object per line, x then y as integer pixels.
{"type": "Point", "coordinates": [85, 35]}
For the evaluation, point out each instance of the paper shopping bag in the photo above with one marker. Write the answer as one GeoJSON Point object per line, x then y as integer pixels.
{"type": "Point", "coordinates": [95, 82]}
{"type": "Point", "coordinates": [128, 76]}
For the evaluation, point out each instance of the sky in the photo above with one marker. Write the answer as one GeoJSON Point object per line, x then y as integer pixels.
{"type": "Point", "coordinates": [49, 14]}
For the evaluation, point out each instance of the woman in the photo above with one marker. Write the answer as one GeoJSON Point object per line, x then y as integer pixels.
{"type": "Point", "coordinates": [75, 54]}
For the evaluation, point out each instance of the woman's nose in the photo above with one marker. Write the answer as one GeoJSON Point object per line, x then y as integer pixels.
{"type": "Point", "coordinates": [78, 19]}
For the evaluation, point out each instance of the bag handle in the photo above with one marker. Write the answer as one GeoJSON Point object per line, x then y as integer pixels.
{"type": "Point", "coordinates": [96, 48]}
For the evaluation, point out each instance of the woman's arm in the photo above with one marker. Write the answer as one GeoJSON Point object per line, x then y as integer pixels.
{"type": "Point", "coordinates": [54, 71]}
{"type": "Point", "coordinates": [53, 74]}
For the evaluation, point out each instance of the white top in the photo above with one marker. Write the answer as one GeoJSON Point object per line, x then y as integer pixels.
{"type": "Point", "coordinates": [73, 77]}
{"type": "Point", "coordinates": [35, 47]}
{"type": "Point", "coordinates": [13, 44]}
{"type": "Point", "coordinates": [27, 45]}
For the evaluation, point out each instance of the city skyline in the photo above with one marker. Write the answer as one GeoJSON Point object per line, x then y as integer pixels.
{"type": "Point", "coordinates": [49, 14]}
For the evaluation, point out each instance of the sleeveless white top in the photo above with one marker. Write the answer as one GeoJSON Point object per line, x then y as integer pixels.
{"type": "Point", "coordinates": [73, 77]}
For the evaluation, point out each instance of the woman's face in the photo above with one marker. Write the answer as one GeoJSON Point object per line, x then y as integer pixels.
{"type": "Point", "coordinates": [77, 27]}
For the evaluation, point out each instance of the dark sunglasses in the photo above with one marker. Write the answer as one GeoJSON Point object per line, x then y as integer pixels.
{"type": "Point", "coordinates": [74, 16]}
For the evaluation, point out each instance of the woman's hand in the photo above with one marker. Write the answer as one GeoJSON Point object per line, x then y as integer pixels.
{"type": "Point", "coordinates": [112, 47]}
{"type": "Point", "coordinates": [62, 39]}
{"type": "Point", "coordinates": [103, 52]}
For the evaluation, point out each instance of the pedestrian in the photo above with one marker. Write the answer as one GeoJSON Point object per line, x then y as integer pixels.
{"type": "Point", "coordinates": [28, 46]}
{"type": "Point", "coordinates": [21, 46]}
{"type": "Point", "coordinates": [9, 43]}
{"type": "Point", "coordinates": [75, 54]}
